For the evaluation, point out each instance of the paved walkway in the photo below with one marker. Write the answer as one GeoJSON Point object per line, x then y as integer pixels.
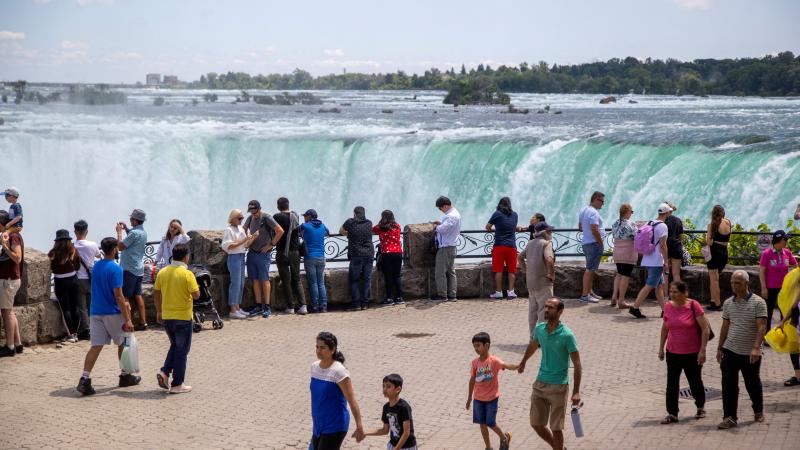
{"type": "Point", "coordinates": [251, 385]}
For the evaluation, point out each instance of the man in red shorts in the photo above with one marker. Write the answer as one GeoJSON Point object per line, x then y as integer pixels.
{"type": "Point", "coordinates": [504, 253]}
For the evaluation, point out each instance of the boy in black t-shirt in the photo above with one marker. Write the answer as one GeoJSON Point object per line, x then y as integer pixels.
{"type": "Point", "coordinates": [396, 417]}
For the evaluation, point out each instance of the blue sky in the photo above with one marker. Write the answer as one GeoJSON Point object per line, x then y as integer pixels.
{"type": "Point", "coordinates": [122, 40]}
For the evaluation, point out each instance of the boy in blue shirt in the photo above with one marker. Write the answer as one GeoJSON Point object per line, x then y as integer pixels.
{"type": "Point", "coordinates": [15, 210]}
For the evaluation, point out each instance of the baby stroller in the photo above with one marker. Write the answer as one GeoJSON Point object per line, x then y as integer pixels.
{"type": "Point", "coordinates": [204, 305]}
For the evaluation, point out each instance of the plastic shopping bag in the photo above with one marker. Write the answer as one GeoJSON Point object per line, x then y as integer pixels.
{"type": "Point", "coordinates": [129, 361]}
{"type": "Point", "coordinates": [783, 339]}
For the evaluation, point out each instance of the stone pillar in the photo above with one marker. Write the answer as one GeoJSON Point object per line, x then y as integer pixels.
{"type": "Point", "coordinates": [417, 245]}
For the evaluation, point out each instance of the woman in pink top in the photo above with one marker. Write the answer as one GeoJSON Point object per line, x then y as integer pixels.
{"type": "Point", "coordinates": [685, 331]}
{"type": "Point", "coordinates": [774, 265]}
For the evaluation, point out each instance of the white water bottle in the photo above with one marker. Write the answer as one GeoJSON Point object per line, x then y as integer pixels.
{"type": "Point", "coordinates": [576, 420]}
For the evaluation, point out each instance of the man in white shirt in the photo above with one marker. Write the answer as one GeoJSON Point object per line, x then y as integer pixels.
{"type": "Point", "coordinates": [447, 232]}
{"type": "Point", "coordinates": [88, 251]}
{"type": "Point", "coordinates": [590, 223]}
{"type": "Point", "coordinates": [656, 263]}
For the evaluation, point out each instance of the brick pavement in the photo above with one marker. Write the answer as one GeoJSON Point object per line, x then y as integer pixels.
{"type": "Point", "coordinates": [251, 385]}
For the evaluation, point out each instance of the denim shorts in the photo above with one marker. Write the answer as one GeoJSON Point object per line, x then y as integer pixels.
{"type": "Point", "coordinates": [131, 285]}
{"type": "Point", "coordinates": [593, 252]}
{"type": "Point", "coordinates": [654, 276]}
{"type": "Point", "coordinates": [485, 413]}
{"type": "Point", "coordinates": [258, 265]}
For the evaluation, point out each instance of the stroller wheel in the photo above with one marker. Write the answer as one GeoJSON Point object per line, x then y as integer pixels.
{"type": "Point", "coordinates": [221, 323]}
{"type": "Point", "coordinates": [197, 327]}
{"type": "Point", "coordinates": [202, 317]}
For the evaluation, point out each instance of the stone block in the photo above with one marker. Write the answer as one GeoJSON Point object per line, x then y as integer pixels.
{"type": "Point", "coordinates": [417, 283]}
{"type": "Point", "coordinates": [417, 245]}
{"type": "Point", "coordinates": [35, 286]}
{"type": "Point", "coordinates": [206, 249]}
{"type": "Point", "coordinates": [469, 279]}
{"type": "Point", "coordinates": [338, 287]}
{"type": "Point", "coordinates": [50, 324]}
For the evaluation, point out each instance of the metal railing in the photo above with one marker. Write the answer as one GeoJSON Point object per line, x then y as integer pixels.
{"type": "Point", "coordinates": [477, 244]}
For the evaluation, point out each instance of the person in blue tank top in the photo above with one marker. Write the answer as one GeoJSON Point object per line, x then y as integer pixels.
{"type": "Point", "coordinates": [331, 391]}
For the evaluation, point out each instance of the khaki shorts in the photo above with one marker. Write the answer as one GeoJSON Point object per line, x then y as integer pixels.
{"type": "Point", "coordinates": [104, 329]}
{"type": "Point", "coordinates": [549, 404]}
{"type": "Point", "coordinates": [8, 290]}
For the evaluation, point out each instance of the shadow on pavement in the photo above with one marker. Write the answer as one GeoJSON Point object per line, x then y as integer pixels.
{"type": "Point", "coordinates": [73, 393]}
{"type": "Point", "coordinates": [153, 394]}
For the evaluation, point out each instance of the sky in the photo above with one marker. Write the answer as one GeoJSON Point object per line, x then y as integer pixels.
{"type": "Point", "coordinates": [117, 41]}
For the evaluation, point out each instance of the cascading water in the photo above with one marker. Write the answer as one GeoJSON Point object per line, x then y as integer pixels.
{"type": "Point", "coordinates": [197, 163]}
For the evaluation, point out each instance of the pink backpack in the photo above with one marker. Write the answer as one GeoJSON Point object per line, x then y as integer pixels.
{"type": "Point", "coordinates": [645, 240]}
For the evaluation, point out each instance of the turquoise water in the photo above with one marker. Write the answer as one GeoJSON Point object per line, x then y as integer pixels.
{"type": "Point", "coordinates": [196, 163]}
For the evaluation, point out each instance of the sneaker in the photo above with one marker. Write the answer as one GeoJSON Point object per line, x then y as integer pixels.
{"type": "Point", "coordinates": [511, 295]}
{"type": "Point", "coordinates": [452, 299]}
{"type": "Point", "coordinates": [669, 419]}
{"type": "Point", "coordinates": [302, 310]}
{"type": "Point", "coordinates": [129, 379]}
{"type": "Point", "coordinates": [496, 296]}
{"type": "Point", "coordinates": [6, 351]}
{"type": "Point", "coordinates": [324, 309]}
{"type": "Point", "coordinates": [163, 380]}
{"type": "Point", "coordinates": [255, 311]}
{"type": "Point", "coordinates": [85, 386]}
{"type": "Point", "coordinates": [727, 423]}
{"type": "Point", "coordinates": [387, 302]}
{"type": "Point", "coordinates": [180, 389]}
{"type": "Point", "coordinates": [266, 312]}
{"type": "Point", "coordinates": [239, 314]}
{"type": "Point", "coordinates": [636, 312]}
{"type": "Point", "coordinates": [72, 338]}
{"type": "Point", "coordinates": [593, 295]}
{"type": "Point", "coordinates": [399, 301]}
{"type": "Point", "coordinates": [759, 417]}
{"type": "Point", "coordinates": [438, 298]}
{"type": "Point", "coordinates": [289, 311]}
{"type": "Point", "coordinates": [140, 327]}
{"type": "Point", "coordinates": [713, 307]}
{"type": "Point", "coordinates": [701, 414]}
{"type": "Point", "coordinates": [589, 299]}
{"type": "Point", "coordinates": [18, 349]}
{"type": "Point", "coordinates": [505, 443]}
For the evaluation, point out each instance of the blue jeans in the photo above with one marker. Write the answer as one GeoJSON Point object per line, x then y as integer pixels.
{"type": "Point", "coordinates": [180, 341]}
{"type": "Point", "coordinates": [360, 270]}
{"type": "Point", "coordinates": [236, 269]}
{"type": "Point", "coordinates": [315, 275]}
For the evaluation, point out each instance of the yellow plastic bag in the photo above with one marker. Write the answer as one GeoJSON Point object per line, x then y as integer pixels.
{"type": "Point", "coordinates": [783, 339]}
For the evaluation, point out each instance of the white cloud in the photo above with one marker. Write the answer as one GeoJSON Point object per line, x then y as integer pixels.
{"type": "Point", "coordinates": [693, 4]}
{"type": "Point", "coordinates": [333, 52]}
{"type": "Point", "coordinates": [6, 35]}
{"type": "Point", "coordinates": [74, 45]}
{"type": "Point", "coordinates": [239, 61]}
{"type": "Point", "coordinates": [68, 56]}
{"type": "Point", "coordinates": [42, 2]}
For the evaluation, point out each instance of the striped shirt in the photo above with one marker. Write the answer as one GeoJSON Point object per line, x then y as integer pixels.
{"type": "Point", "coordinates": [742, 314]}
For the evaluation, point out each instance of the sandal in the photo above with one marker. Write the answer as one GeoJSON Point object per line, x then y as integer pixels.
{"type": "Point", "coordinates": [793, 381]}
{"type": "Point", "coordinates": [669, 419]}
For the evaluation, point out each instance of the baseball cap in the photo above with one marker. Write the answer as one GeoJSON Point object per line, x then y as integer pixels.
{"type": "Point", "coordinates": [311, 213]}
{"type": "Point", "coordinates": [664, 208]}
{"type": "Point", "coordinates": [138, 214]}
{"type": "Point", "coordinates": [62, 235]}
{"type": "Point", "coordinates": [542, 226]}
{"type": "Point", "coordinates": [12, 191]}
{"type": "Point", "coordinates": [778, 236]}
{"type": "Point", "coordinates": [254, 205]}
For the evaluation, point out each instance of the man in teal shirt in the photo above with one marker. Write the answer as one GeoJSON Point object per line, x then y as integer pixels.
{"type": "Point", "coordinates": [549, 398]}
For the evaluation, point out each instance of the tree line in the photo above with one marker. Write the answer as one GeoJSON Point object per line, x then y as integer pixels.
{"type": "Point", "coordinates": [771, 75]}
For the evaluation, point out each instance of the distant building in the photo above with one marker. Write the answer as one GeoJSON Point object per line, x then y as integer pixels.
{"type": "Point", "coordinates": [153, 79]}
{"type": "Point", "coordinates": [170, 80]}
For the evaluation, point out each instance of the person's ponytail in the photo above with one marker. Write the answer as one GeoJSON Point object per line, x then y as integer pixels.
{"type": "Point", "coordinates": [338, 356]}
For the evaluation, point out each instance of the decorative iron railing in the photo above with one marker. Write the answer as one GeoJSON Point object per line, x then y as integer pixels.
{"type": "Point", "coordinates": [477, 244]}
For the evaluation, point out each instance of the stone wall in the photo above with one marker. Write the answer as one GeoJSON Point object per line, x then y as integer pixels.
{"type": "Point", "coordinates": [40, 318]}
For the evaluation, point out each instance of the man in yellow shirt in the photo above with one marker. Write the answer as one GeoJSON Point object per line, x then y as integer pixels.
{"type": "Point", "coordinates": [175, 289]}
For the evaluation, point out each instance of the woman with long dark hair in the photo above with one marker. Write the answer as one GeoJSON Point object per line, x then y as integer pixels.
{"type": "Point", "coordinates": [391, 255]}
{"type": "Point", "coordinates": [174, 236]}
{"type": "Point", "coordinates": [331, 391]}
{"type": "Point", "coordinates": [64, 263]}
{"type": "Point", "coordinates": [718, 236]}
{"type": "Point", "coordinates": [504, 252]}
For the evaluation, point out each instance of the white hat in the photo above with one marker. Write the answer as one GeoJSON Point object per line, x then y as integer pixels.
{"type": "Point", "coordinates": [664, 208]}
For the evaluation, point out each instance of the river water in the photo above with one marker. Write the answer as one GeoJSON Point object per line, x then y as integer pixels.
{"type": "Point", "coordinates": [196, 163]}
